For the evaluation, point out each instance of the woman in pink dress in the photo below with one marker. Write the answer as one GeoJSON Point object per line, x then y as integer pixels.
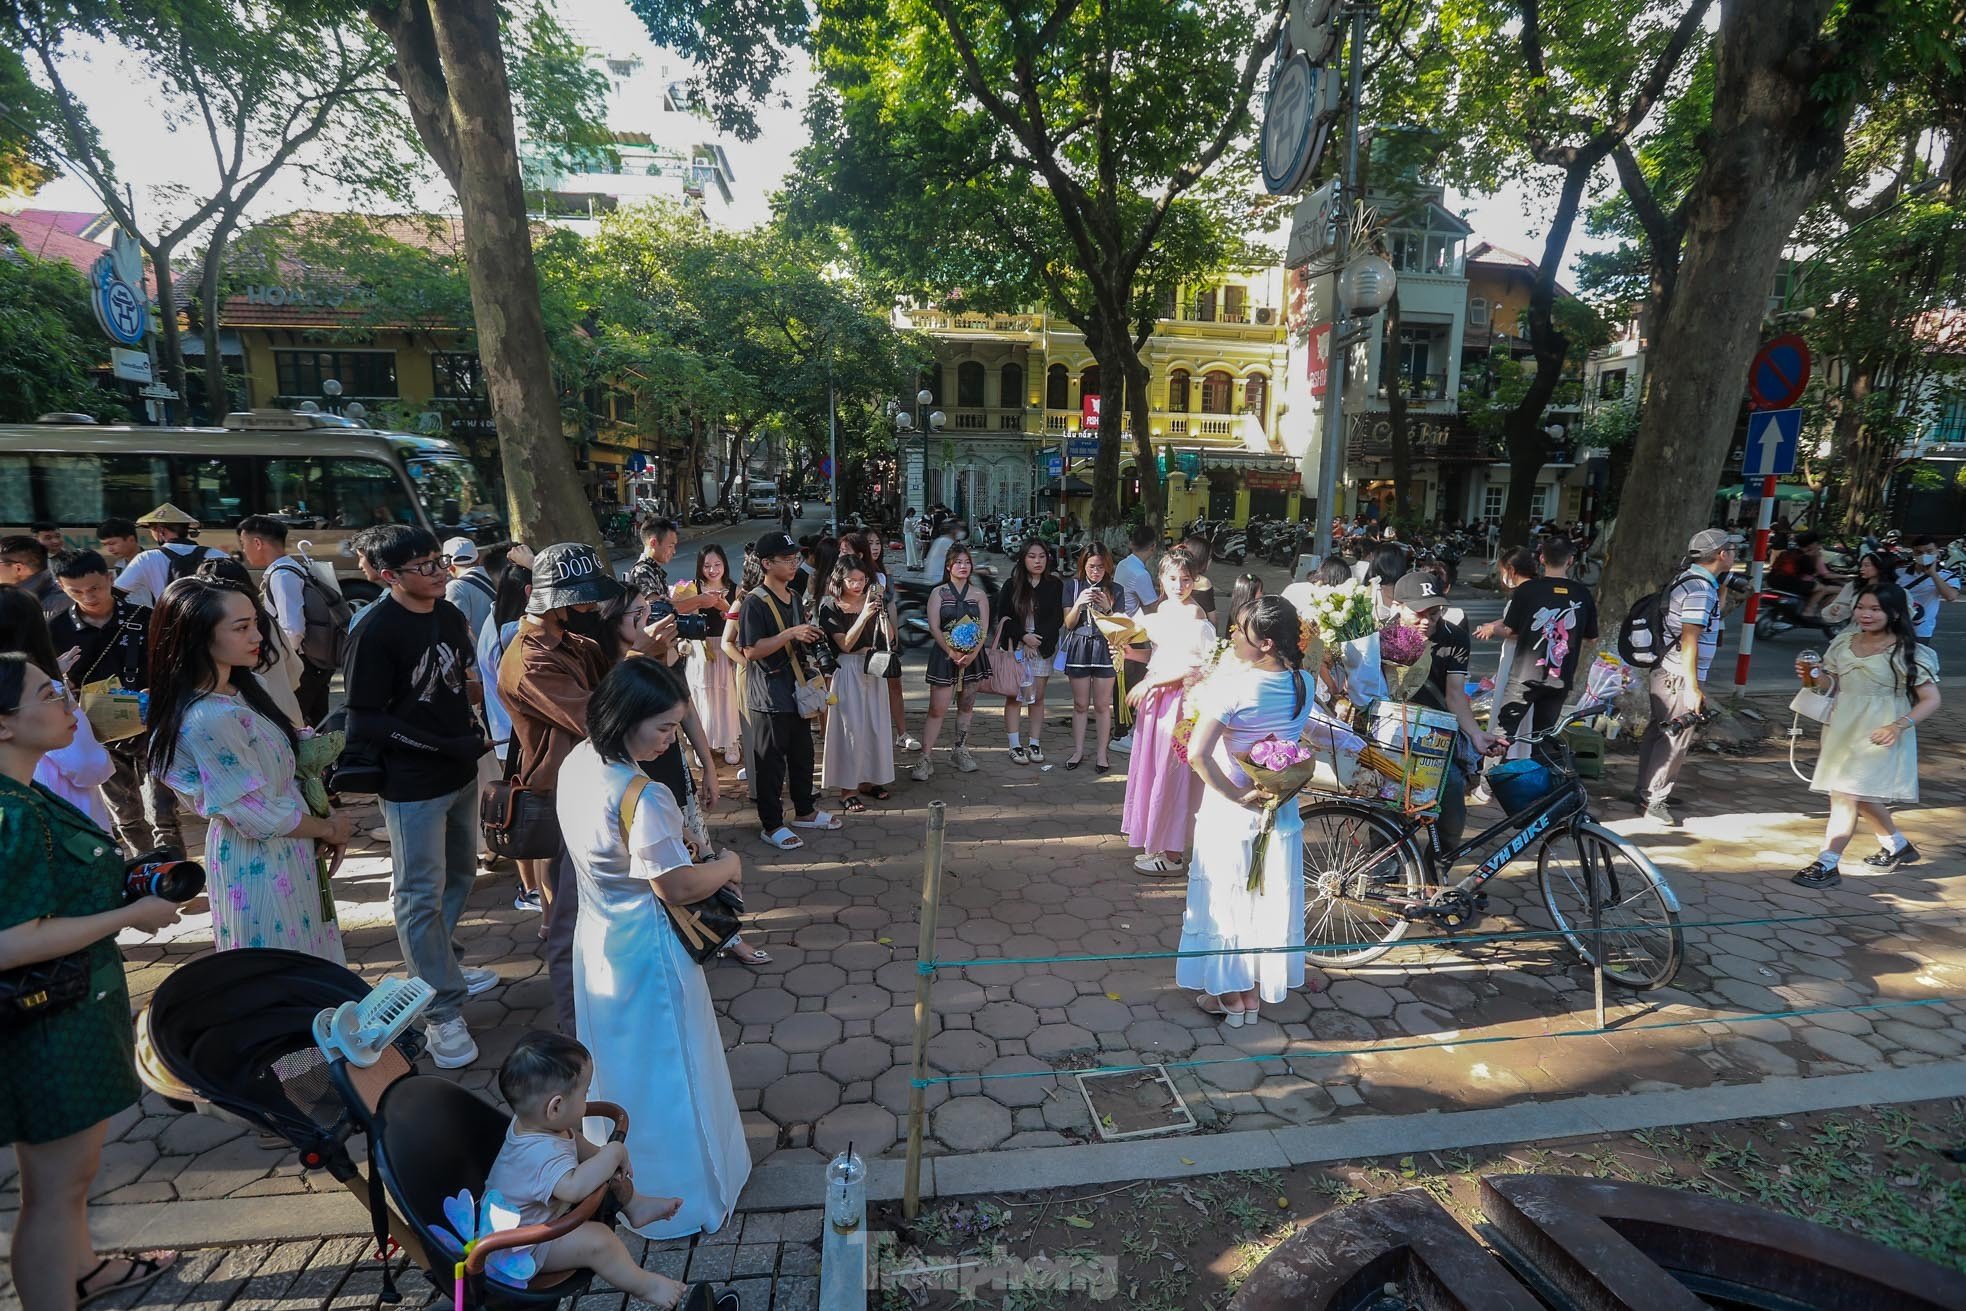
{"type": "Point", "coordinates": [1162, 792]}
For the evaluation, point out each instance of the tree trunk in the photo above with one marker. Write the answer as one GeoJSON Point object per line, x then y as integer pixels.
{"type": "Point", "coordinates": [451, 66]}
{"type": "Point", "coordinates": [170, 341]}
{"type": "Point", "coordinates": [1140, 415]}
{"type": "Point", "coordinates": [217, 394]}
{"type": "Point", "coordinates": [1771, 147]}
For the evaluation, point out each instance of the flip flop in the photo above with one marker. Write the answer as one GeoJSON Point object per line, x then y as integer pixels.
{"type": "Point", "coordinates": [820, 820]}
{"type": "Point", "coordinates": [853, 805]}
{"type": "Point", "coordinates": [783, 838]}
{"type": "Point", "coordinates": [144, 1267]}
{"type": "Point", "coordinates": [877, 793]}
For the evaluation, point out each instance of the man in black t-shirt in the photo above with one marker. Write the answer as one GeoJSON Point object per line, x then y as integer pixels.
{"type": "Point", "coordinates": [768, 627]}
{"type": "Point", "coordinates": [412, 685]}
{"type": "Point", "coordinates": [1420, 603]}
{"type": "Point", "coordinates": [1549, 619]}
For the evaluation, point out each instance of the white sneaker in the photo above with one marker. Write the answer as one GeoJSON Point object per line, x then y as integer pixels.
{"type": "Point", "coordinates": [1121, 743]}
{"type": "Point", "coordinates": [450, 1044]}
{"type": "Point", "coordinates": [477, 980]}
{"type": "Point", "coordinates": [732, 755]}
{"type": "Point", "coordinates": [923, 771]}
{"type": "Point", "coordinates": [528, 901]}
{"type": "Point", "coordinates": [963, 760]}
{"type": "Point", "coordinates": [907, 743]}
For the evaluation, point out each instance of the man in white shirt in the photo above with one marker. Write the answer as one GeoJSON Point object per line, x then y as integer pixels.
{"type": "Point", "coordinates": [1928, 587]}
{"type": "Point", "coordinates": [470, 588]}
{"type": "Point", "coordinates": [1135, 576]}
{"type": "Point", "coordinates": [1691, 621]}
{"type": "Point", "coordinates": [263, 541]}
{"type": "Point", "coordinates": [175, 556]}
{"type": "Point", "coordinates": [938, 550]}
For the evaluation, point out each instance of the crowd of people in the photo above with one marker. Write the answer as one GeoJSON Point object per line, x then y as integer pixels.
{"type": "Point", "coordinates": [502, 700]}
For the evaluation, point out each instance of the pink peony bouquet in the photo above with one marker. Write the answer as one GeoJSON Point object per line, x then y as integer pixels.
{"type": "Point", "coordinates": [1279, 770]}
{"type": "Point", "coordinates": [1401, 644]}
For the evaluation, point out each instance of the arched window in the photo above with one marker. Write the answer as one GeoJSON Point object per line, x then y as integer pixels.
{"type": "Point", "coordinates": [969, 384]}
{"type": "Point", "coordinates": [1088, 382]}
{"type": "Point", "coordinates": [1217, 393]}
{"type": "Point", "coordinates": [931, 382]}
{"type": "Point", "coordinates": [1254, 393]}
{"type": "Point", "coordinates": [1058, 388]}
{"type": "Point", "coordinates": [1177, 391]}
{"type": "Point", "coordinates": [1010, 395]}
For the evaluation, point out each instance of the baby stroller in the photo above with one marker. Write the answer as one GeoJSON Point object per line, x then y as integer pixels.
{"type": "Point", "coordinates": [236, 1031]}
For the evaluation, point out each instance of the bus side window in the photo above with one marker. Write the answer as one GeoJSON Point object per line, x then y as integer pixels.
{"type": "Point", "coordinates": [16, 490]}
{"type": "Point", "coordinates": [368, 492]}
{"type": "Point", "coordinates": [212, 489]}
{"type": "Point", "coordinates": [299, 490]}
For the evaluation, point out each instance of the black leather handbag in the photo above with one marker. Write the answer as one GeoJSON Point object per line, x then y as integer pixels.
{"type": "Point", "coordinates": [705, 927]}
{"type": "Point", "coordinates": [48, 987]}
{"type": "Point", "coordinates": [519, 822]}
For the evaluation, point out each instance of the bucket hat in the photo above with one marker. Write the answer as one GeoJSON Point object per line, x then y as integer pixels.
{"type": "Point", "coordinates": [567, 574]}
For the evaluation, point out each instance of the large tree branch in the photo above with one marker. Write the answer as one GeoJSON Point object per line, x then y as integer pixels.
{"type": "Point", "coordinates": [1663, 231]}
{"type": "Point", "coordinates": [419, 71]}
{"type": "Point", "coordinates": [1661, 72]}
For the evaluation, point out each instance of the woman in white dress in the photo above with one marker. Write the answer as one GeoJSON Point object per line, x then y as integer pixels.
{"type": "Point", "coordinates": [712, 688]}
{"type": "Point", "coordinates": [643, 1006]}
{"type": "Point", "coordinates": [1885, 682]}
{"type": "Point", "coordinates": [859, 735]}
{"type": "Point", "coordinates": [1263, 692]}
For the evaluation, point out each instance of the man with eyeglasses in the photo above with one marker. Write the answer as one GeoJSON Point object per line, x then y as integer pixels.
{"type": "Point", "coordinates": [412, 685]}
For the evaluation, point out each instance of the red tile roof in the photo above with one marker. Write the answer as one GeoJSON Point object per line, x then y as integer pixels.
{"type": "Point", "coordinates": [40, 233]}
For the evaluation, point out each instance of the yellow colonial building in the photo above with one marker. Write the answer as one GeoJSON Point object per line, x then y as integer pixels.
{"type": "Point", "coordinates": [1019, 399]}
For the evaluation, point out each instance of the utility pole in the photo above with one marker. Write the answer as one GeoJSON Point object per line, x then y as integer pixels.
{"type": "Point", "coordinates": [1339, 343]}
{"type": "Point", "coordinates": [833, 447]}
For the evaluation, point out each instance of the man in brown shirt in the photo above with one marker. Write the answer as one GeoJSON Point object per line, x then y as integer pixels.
{"type": "Point", "coordinates": [544, 680]}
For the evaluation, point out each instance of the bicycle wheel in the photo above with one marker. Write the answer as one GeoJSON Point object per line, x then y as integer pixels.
{"type": "Point", "coordinates": [1353, 851]}
{"type": "Point", "coordinates": [1637, 912]}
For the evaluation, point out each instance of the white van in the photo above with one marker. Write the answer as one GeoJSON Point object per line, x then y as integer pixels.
{"type": "Point", "coordinates": [761, 500]}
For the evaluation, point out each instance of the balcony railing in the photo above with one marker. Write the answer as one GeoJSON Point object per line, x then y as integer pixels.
{"type": "Point", "coordinates": [986, 419]}
{"type": "Point", "coordinates": [943, 321]}
{"type": "Point", "coordinates": [1424, 388]}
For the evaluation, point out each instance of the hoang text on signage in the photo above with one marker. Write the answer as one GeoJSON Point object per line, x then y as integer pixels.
{"type": "Point", "coordinates": [278, 294]}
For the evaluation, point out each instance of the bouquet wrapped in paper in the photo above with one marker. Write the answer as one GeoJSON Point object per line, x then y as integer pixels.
{"type": "Point", "coordinates": [1120, 631]}
{"type": "Point", "coordinates": [965, 636]}
{"type": "Point", "coordinates": [1184, 728]}
{"type": "Point", "coordinates": [1343, 621]}
{"type": "Point", "coordinates": [1607, 679]}
{"type": "Point", "coordinates": [1279, 770]}
{"type": "Point", "coordinates": [313, 753]}
{"type": "Point", "coordinates": [1406, 658]}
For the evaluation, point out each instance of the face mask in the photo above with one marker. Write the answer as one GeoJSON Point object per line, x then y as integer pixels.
{"type": "Point", "coordinates": [962, 537]}
{"type": "Point", "coordinates": [1928, 559]}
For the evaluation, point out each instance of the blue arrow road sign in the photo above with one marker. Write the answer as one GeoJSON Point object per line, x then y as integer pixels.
{"type": "Point", "coordinates": [1773, 436]}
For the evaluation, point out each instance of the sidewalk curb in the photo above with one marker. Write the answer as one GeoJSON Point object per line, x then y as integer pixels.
{"type": "Point", "coordinates": [234, 1221]}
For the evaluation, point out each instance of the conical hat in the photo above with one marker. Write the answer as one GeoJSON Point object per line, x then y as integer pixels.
{"type": "Point", "coordinates": [168, 516]}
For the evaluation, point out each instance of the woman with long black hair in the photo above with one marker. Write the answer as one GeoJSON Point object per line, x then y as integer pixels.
{"type": "Point", "coordinates": [1030, 614]}
{"type": "Point", "coordinates": [1886, 681]}
{"type": "Point", "coordinates": [954, 674]}
{"type": "Point", "coordinates": [75, 772]}
{"type": "Point", "coordinates": [712, 688]}
{"type": "Point", "coordinates": [508, 607]}
{"type": "Point", "coordinates": [225, 748]}
{"type": "Point", "coordinates": [1264, 692]}
{"type": "Point", "coordinates": [867, 544]}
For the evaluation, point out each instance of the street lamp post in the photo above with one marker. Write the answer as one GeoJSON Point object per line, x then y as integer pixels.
{"type": "Point", "coordinates": [904, 422]}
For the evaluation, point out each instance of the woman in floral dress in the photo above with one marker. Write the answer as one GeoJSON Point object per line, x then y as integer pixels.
{"type": "Point", "coordinates": [219, 741]}
{"type": "Point", "coordinates": [712, 688]}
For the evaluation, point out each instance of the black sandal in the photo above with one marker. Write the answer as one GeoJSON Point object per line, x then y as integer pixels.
{"type": "Point", "coordinates": [1075, 762]}
{"type": "Point", "coordinates": [143, 1269]}
{"type": "Point", "coordinates": [852, 804]}
{"type": "Point", "coordinates": [877, 793]}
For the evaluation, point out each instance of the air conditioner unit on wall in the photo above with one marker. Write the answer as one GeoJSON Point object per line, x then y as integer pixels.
{"type": "Point", "coordinates": [1266, 316]}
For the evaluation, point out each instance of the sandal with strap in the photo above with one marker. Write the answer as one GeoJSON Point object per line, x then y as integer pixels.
{"type": "Point", "coordinates": [853, 805]}
{"type": "Point", "coordinates": [877, 793]}
{"type": "Point", "coordinates": [748, 955]}
{"type": "Point", "coordinates": [783, 838]}
{"type": "Point", "coordinates": [144, 1267]}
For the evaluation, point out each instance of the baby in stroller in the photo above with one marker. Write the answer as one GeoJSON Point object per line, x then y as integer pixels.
{"type": "Point", "coordinates": [547, 1165]}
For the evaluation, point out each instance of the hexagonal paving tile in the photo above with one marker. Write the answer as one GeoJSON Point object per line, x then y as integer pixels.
{"type": "Point", "coordinates": [1158, 1038]}
{"type": "Point", "coordinates": [808, 1031]}
{"type": "Point", "coordinates": [1099, 1014]}
{"type": "Point", "coordinates": [755, 1065]}
{"type": "Point", "coordinates": [859, 1001]}
{"type": "Point", "coordinates": [1362, 997]}
{"type": "Point", "coordinates": [866, 1127]}
{"type": "Point", "coordinates": [815, 980]}
{"type": "Point", "coordinates": [971, 1124]}
{"type": "Point", "coordinates": [1023, 1092]}
{"type": "Point", "coordinates": [1051, 1041]}
{"type": "Point", "coordinates": [1006, 1019]}
{"type": "Point", "coordinates": [800, 1098]}
{"type": "Point", "coordinates": [765, 1004]}
{"type": "Point", "coordinates": [857, 1059]}
{"type": "Point", "coordinates": [1044, 990]}
{"type": "Point", "coordinates": [961, 1051]}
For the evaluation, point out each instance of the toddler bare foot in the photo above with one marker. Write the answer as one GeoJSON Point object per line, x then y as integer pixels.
{"type": "Point", "coordinates": [665, 1293]}
{"type": "Point", "coordinates": [645, 1210]}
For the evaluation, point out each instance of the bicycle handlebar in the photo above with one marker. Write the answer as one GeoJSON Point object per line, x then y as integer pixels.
{"type": "Point", "coordinates": [1583, 711]}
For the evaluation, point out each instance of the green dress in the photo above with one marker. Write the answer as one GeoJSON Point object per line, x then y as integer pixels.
{"type": "Point", "coordinates": [61, 1074]}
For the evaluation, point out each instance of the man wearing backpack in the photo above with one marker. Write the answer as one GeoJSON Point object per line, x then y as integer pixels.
{"type": "Point", "coordinates": [1689, 625]}
{"type": "Point", "coordinates": [313, 616]}
{"type": "Point", "coordinates": [175, 556]}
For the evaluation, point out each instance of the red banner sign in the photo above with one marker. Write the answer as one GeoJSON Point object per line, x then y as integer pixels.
{"type": "Point", "coordinates": [1319, 355]}
{"type": "Point", "coordinates": [1089, 414]}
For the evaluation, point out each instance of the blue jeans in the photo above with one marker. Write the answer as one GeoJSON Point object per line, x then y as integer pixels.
{"type": "Point", "coordinates": [434, 847]}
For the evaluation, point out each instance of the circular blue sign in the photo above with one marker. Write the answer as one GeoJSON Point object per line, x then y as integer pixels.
{"type": "Point", "coordinates": [1780, 373]}
{"type": "Point", "coordinates": [119, 307]}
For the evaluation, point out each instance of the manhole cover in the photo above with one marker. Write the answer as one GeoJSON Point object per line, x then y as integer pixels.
{"type": "Point", "coordinates": [1135, 1103]}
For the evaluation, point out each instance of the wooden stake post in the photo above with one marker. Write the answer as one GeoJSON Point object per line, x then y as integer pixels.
{"type": "Point", "coordinates": [911, 1202]}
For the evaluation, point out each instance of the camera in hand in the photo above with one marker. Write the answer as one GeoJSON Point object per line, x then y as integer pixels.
{"type": "Point", "coordinates": [689, 628]}
{"type": "Point", "coordinates": [162, 873]}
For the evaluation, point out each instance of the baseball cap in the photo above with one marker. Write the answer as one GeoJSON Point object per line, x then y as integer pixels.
{"type": "Point", "coordinates": [569, 573]}
{"type": "Point", "coordinates": [776, 544]}
{"type": "Point", "coordinates": [1417, 591]}
{"type": "Point", "coordinates": [1709, 540]}
{"type": "Point", "coordinates": [461, 550]}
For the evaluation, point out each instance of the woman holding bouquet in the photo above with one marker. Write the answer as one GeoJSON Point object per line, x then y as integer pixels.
{"type": "Point", "coordinates": [1088, 659]}
{"type": "Point", "coordinates": [1161, 791]}
{"type": "Point", "coordinates": [958, 616]}
{"type": "Point", "coordinates": [1264, 694]}
{"type": "Point", "coordinates": [712, 688]}
{"type": "Point", "coordinates": [1031, 611]}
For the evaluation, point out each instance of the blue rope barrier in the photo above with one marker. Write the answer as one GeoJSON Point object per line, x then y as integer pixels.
{"type": "Point", "coordinates": [1608, 1031]}
{"type": "Point", "coordinates": [1447, 940]}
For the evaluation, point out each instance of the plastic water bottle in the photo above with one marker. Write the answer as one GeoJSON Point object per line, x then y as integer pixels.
{"type": "Point", "coordinates": [1027, 690]}
{"type": "Point", "coordinates": [846, 1191]}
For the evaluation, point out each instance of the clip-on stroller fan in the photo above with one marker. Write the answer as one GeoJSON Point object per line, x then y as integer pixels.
{"type": "Point", "coordinates": [360, 1032]}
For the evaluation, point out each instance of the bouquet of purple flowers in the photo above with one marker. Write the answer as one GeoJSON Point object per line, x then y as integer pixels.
{"type": "Point", "coordinates": [1279, 770]}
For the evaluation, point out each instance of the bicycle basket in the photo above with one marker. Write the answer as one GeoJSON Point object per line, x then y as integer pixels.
{"type": "Point", "coordinates": [1520, 784]}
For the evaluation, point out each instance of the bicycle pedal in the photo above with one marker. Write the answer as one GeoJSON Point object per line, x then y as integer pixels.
{"type": "Point", "coordinates": [1481, 901]}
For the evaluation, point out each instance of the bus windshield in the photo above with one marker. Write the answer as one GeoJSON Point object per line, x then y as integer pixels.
{"type": "Point", "coordinates": [452, 491]}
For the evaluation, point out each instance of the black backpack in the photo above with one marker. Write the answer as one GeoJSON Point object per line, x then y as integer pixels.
{"type": "Point", "coordinates": [1642, 637]}
{"type": "Point", "coordinates": [183, 564]}
{"type": "Point", "coordinates": [325, 612]}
